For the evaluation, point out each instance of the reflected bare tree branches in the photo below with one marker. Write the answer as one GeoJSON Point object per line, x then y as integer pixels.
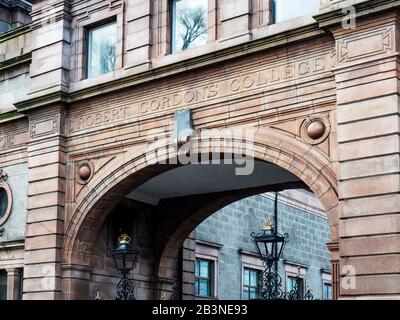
{"type": "Point", "coordinates": [194, 23]}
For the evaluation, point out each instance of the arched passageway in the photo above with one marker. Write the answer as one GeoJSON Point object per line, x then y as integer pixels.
{"type": "Point", "coordinates": [185, 195]}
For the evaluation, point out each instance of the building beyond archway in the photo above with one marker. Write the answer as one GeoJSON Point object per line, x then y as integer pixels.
{"type": "Point", "coordinates": [227, 266]}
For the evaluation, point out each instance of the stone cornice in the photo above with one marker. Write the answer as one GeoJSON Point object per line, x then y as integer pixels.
{"type": "Point", "coordinates": [209, 244]}
{"type": "Point", "coordinates": [10, 63]}
{"type": "Point", "coordinates": [59, 96]}
{"type": "Point", "coordinates": [13, 33]}
{"type": "Point", "coordinates": [330, 17]}
{"type": "Point", "coordinates": [297, 204]}
{"type": "Point", "coordinates": [54, 12]}
{"type": "Point", "coordinates": [12, 115]}
{"type": "Point", "coordinates": [333, 245]}
{"type": "Point", "coordinates": [17, 3]}
{"type": "Point", "coordinates": [13, 244]}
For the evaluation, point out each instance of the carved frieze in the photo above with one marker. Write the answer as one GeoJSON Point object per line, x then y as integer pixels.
{"type": "Point", "coordinates": [43, 127]}
{"type": "Point", "coordinates": [13, 140]}
{"type": "Point", "coordinates": [6, 142]}
{"type": "Point", "coordinates": [229, 87]}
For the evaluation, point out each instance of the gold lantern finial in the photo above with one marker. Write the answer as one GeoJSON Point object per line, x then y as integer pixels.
{"type": "Point", "coordinates": [268, 225]}
{"type": "Point", "coordinates": [124, 239]}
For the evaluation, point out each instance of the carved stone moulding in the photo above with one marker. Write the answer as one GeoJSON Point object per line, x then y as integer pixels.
{"type": "Point", "coordinates": [84, 171]}
{"type": "Point", "coordinates": [315, 129]}
{"type": "Point", "coordinates": [5, 198]}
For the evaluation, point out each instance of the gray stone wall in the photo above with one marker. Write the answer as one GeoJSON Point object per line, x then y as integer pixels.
{"type": "Point", "coordinates": [14, 227]}
{"type": "Point", "coordinates": [233, 225]}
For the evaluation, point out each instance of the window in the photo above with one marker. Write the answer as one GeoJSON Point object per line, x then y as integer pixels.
{"type": "Point", "coordinates": [291, 285]}
{"type": "Point", "coordinates": [3, 285]}
{"type": "Point", "coordinates": [102, 43]}
{"type": "Point", "coordinates": [189, 24]}
{"type": "Point", "coordinates": [327, 291]}
{"type": "Point", "coordinates": [251, 283]}
{"type": "Point", "coordinates": [3, 202]}
{"type": "Point", "coordinates": [288, 9]}
{"type": "Point", "coordinates": [203, 275]}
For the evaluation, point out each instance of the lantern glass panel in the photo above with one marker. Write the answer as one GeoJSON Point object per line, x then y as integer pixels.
{"type": "Point", "coordinates": [124, 256]}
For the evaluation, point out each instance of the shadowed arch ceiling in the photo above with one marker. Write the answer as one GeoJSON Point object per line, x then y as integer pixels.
{"type": "Point", "coordinates": [208, 178]}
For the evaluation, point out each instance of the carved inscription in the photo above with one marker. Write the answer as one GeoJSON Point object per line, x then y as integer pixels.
{"type": "Point", "coordinates": [272, 76]}
{"type": "Point", "coordinates": [100, 118]}
{"type": "Point", "coordinates": [179, 99]}
{"type": "Point", "coordinates": [279, 74]}
{"type": "Point", "coordinates": [268, 77]}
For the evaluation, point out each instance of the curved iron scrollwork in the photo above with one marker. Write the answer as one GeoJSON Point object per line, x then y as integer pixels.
{"type": "Point", "coordinates": [308, 295]}
{"type": "Point", "coordinates": [271, 287]}
{"type": "Point", "coordinates": [125, 288]}
{"type": "Point", "coordinates": [271, 284]}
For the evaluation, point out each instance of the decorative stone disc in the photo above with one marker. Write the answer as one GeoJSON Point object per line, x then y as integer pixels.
{"type": "Point", "coordinates": [316, 129]}
{"type": "Point", "coordinates": [85, 172]}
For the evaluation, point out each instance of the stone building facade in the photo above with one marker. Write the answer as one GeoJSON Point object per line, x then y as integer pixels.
{"type": "Point", "coordinates": [223, 240]}
{"type": "Point", "coordinates": [89, 127]}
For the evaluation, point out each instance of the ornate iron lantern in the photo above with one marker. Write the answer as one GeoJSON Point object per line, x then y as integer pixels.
{"type": "Point", "coordinates": [270, 246]}
{"type": "Point", "coordinates": [124, 255]}
{"type": "Point", "coordinates": [269, 243]}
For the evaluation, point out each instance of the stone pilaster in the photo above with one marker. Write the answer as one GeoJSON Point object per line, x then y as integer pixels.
{"type": "Point", "coordinates": [51, 50]}
{"type": "Point", "coordinates": [45, 205]}
{"type": "Point", "coordinates": [188, 266]}
{"type": "Point", "coordinates": [13, 283]}
{"type": "Point", "coordinates": [137, 34]}
{"type": "Point", "coordinates": [76, 282]}
{"type": "Point", "coordinates": [369, 157]}
{"type": "Point", "coordinates": [235, 19]}
{"type": "Point", "coordinates": [335, 258]}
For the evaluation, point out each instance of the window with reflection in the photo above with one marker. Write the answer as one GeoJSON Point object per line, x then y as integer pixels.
{"type": "Point", "coordinates": [327, 291]}
{"type": "Point", "coordinates": [251, 283]}
{"type": "Point", "coordinates": [189, 24]}
{"type": "Point", "coordinates": [288, 9]}
{"type": "Point", "coordinates": [102, 43]}
{"type": "Point", "coordinates": [295, 284]}
{"type": "Point", "coordinates": [203, 276]}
